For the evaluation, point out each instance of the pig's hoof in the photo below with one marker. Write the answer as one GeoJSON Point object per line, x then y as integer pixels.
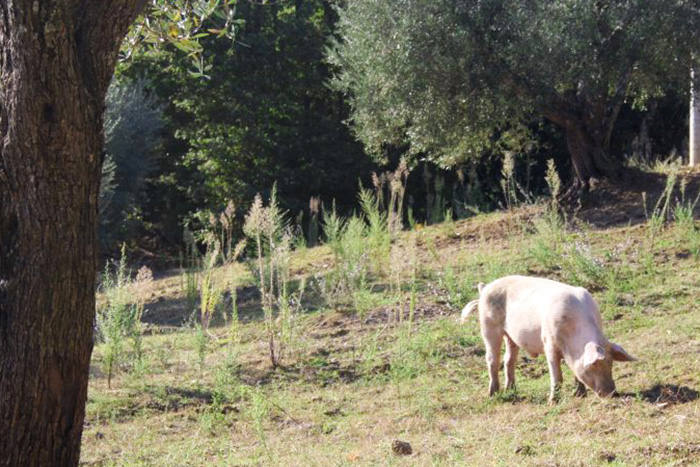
{"type": "Point", "coordinates": [580, 392]}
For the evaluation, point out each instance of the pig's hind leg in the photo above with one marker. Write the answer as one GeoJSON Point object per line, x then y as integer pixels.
{"type": "Point", "coordinates": [493, 336]}
{"type": "Point", "coordinates": [511, 358]}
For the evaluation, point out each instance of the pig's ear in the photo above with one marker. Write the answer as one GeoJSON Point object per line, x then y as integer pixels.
{"type": "Point", "coordinates": [480, 286]}
{"type": "Point", "coordinates": [619, 354]}
{"type": "Point", "coordinates": [592, 353]}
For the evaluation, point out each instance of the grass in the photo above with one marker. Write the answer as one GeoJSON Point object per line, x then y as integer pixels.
{"type": "Point", "coordinates": [360, 380]}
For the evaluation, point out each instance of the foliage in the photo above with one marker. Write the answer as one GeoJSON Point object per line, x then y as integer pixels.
{"type": "Point", "coordinates": [182, 24]}
{"type": "Point", "coordinates": [133, 121]}
{"type": "Point", "coordinates": [265, 115]}
{"type": "Point", "coordinates": [474, 74]}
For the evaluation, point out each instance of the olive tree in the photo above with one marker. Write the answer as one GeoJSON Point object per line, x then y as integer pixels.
{"type": "Point", "coordinates": [447, 77]}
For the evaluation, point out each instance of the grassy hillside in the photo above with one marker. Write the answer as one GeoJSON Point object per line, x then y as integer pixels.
{"type": "Point", "coordinates": [393, 363]}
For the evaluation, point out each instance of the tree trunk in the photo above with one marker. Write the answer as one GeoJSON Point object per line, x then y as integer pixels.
{"type": "Point", "coordinates": [57, 59]}
{"type": "Point", "coordinates": [589, 149]}
{"type": "Point", "coordinates": [694, 124]}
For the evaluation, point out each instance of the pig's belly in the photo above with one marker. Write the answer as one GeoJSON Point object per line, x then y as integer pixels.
{"type": "Point", "coordinates": [528, 338]}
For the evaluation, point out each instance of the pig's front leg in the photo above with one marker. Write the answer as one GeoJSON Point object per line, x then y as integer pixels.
{"type": "Point", "coordinates": [580, 388]}
{"type": "Point", "coordinates": [554, 362]}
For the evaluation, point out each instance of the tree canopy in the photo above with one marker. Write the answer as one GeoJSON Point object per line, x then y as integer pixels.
{"type": "Point", "coordinates": [263, 115]}
{"type": "Point", "coordinates": [453, 78]}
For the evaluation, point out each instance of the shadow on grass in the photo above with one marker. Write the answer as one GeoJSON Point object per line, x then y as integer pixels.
{"type": "Point", "coordinates": [667, 394]}
{"type": "Point", "coordinates": [670, 394]}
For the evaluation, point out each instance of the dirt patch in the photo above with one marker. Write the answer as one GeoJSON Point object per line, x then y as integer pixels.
{"type": "Point", "coordinates": [622, 203]}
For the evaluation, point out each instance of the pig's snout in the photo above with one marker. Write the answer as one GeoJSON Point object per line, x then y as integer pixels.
{"type": "Point", "coordinates": [609, 391]}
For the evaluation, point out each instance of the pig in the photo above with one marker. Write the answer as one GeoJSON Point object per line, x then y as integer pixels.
{"type": "Point", "coordinates": [543, 316]}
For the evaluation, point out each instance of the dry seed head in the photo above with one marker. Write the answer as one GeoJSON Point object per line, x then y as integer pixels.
{"type": "Point", "coordinates": [402, 170]}
{"type": "Point", "coordinates": [255, 218]}
{"type": "Point", "coordinates": [552, 179]}
{"type": "Point", "coordinates": [227, 216]}
{"type": "Point", "coordinates": [240, 246]}
{"type": "Point", "coordinates": [144, 275]}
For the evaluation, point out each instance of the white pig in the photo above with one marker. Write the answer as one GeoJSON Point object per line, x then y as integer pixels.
{"type": "Point", "coordinates": [544, 316]}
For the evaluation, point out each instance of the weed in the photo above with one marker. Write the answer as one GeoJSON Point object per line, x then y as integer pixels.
{"type": "Point", "coordinates": [234, 326]}
{"type": "Point", "coordinates": [120, 318]}
{"type": "Point", "coordinates": [267, 227]}
{"type": "Point", "coordinates": [351, 252]}
{"type": "Point", "coordinates": [260, 409]}
{"type": "Point", "coordinates": [687, 233]}
{"type": "Point", "coordinates": [656, 221]}
{"type": "Point", "coordinates": [378, 233]}
{"type": "Point", "coordinates": [189, 273]}
{"type": "Point", "coordinates": [314, 210]}
{"type": "Point", "coordinates": [582, 267]}
{"type": "Point", "coordinates": [201, 341]}
{"type": "Point", "coordinates": [210, 294]}
{"type": "Point", "coordinates": [548, 236]}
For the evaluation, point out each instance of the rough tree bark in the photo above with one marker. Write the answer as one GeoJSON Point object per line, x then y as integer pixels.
{"type": "Point", "coordinates": [588, 128]}
{"type": "Point", "coordinates": [590, 155]}
{"type": "Point", "coordinates": [57, 58]}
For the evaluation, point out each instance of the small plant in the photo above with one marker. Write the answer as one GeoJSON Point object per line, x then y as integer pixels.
{"type": "Point", "coordinates": [314, 210]}
{"type": "Point", "coordinates": [448, 224]}
{"type": "Point", "coordinates": [201, 340]}
{"type": "Point", "coordinates": [413, 268]}
{"type": "Point", "coordinates": [548, 236]}
{"type": "Point", "coordinates": [411, 219]}
{"type": "Point", "coordinates": [554, 184]}
{"type": "Point", "coordinates": [266, 226]}
{"type": "Point", "coordinates": [260, 409]}
{"type": "Point", "coordinates": [210, 294]}
{"type": "Point", "coordinates": [510, 193]}
{"type": "Point", "coordinates": [189, 267]}
{"type": "Point", "coordinates": [225, 231]}
{"type": "Point", "coordinates": [120, 318]}
{"type": "Point", "coordinates": [550, 227]}
{"type": "Point", "coordinates": [687, 233]}
{"type": "Point", "coordinates": [233, 326]}
{"type": "Point", "coordinates": [397, 187]}
{"type": "Point", "coordinates": [582, 267]}
{"type": "Point", "coordinates": [656, 220]}
{"type": "Point", "coordinates": [378, 234]}
{"type": "Point", "coordinates": [351, 251]}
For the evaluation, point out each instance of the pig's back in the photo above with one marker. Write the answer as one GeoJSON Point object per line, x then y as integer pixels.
{"type": "Point", "coordinates": [538, 309]}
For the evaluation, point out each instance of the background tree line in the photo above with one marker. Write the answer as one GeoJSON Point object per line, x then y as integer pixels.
{"type": "Point", "coordinates": [315, 96]}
